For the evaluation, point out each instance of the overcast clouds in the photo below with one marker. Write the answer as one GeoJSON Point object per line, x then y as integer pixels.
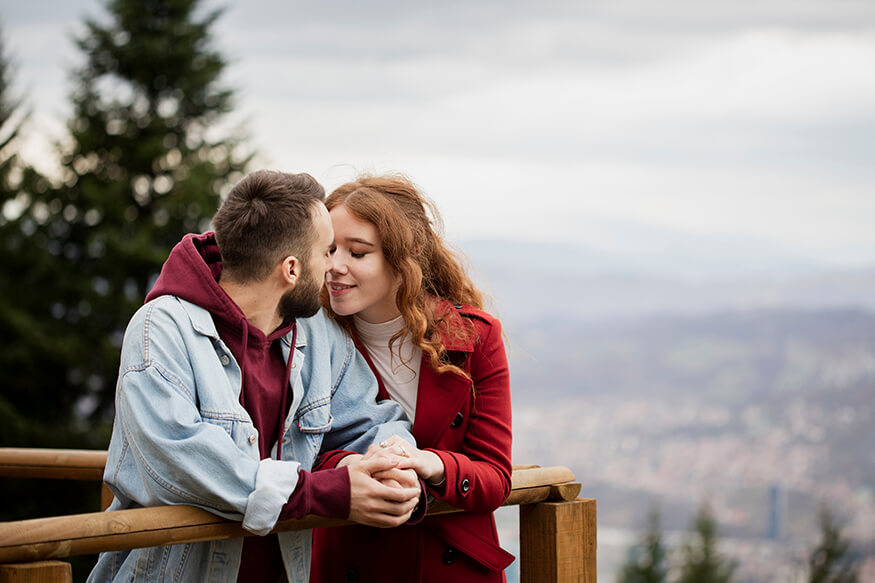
{"type": "Point", "coordinates": [554, 120]}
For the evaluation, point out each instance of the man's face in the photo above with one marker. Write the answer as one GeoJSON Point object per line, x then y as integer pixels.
{"type": "Point", "coordinates": [302, 301]}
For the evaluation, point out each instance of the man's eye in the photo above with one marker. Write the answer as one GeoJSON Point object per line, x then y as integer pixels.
{"type": "Point", "coordinates": [332, 250]}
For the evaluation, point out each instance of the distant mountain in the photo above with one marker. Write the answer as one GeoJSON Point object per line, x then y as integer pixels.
{"type": "Point", "coordinates": [537, 281]}
{"type": "Point", "coordinates": [725, 358]}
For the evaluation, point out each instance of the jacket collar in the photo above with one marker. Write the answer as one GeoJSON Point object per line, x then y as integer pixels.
{"type": "Point", "coordinates": [202, 322]}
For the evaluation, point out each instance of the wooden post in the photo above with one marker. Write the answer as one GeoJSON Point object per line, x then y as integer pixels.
{"type": "Point", "coordinates": [39, 572]}
{"type": "Point", "coordinates": [558, 542]}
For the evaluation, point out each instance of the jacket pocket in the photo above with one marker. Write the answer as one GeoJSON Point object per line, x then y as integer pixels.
{"type": "Point", "coordinates": [315, 417]}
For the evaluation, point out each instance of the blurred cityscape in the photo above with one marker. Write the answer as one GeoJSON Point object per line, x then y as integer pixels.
{"type": "Point", "coordinates": [764, 413]}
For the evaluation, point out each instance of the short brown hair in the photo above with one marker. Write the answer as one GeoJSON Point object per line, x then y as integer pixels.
{"type": "Point", "coordinates": [266, 217]}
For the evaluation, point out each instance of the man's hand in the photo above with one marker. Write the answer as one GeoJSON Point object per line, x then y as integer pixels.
{"type": "Point", "coordinates": [376, 504]}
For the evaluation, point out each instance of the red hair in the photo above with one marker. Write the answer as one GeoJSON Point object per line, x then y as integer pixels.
{"type": "Point", "coordinates": [409, 228]}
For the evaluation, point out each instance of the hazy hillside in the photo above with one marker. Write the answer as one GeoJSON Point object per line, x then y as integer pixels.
{"type": "Point", "coordinates": [659, 388]}
{"type": "Point", "coordinates": [532, 282]}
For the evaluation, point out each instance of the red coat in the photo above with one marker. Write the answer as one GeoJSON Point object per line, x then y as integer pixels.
{"type": "Point", "coordinates": [471, 432]}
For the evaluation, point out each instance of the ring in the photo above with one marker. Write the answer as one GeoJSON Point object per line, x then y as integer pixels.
{"type": "Point", "coordinates": [403, 451]}
{"type": "Point", "coordinates": [384, 443]}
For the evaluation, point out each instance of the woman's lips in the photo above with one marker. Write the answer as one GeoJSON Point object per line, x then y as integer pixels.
{"type": "Point", "coordinates": [337, 289]}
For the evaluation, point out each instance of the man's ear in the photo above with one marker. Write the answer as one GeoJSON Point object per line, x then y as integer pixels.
{"type": "Point", "coordinates": [291, 269]}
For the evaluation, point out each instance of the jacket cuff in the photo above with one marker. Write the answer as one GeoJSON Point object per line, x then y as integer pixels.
{"type": "Point", "coordinates": [325, 493]}
{"type": "Point", "coordinates": [274, 483]}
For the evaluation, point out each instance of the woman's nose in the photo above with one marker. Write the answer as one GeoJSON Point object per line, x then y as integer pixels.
{"type": "Point", "coordinates": [338, 264]}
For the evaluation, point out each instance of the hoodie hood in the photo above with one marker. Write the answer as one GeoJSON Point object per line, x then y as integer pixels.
{"type": "Point", "coordinates": [192, 272]}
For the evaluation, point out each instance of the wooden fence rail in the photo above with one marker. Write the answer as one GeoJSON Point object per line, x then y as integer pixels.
{"type": "Point", "coordinates": [557, 529]}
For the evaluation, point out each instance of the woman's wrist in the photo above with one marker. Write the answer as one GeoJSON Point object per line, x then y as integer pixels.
{"type": "Point", "coordinates": [437, 474]}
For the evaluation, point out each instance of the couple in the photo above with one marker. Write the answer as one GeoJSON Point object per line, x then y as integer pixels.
{"type": "Point", "coordinates": [233, 386]}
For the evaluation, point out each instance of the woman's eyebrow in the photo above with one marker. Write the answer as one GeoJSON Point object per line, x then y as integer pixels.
{"type": "Point", "coordinates": [361, 241]}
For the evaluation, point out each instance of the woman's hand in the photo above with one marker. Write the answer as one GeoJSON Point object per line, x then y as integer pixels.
{"type": "Point", "coordinates": [427, 464]}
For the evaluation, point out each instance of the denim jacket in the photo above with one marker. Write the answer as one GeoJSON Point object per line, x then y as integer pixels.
{"type": "Point", "coordinates": [181, 436]}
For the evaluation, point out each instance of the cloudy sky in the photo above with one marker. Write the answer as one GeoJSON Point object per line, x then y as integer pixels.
{"type": "Point", "coordinates": [615, 124]}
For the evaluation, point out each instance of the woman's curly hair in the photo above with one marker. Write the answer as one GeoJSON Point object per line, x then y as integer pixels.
{"type": "Point", "coordinates": [409, 227]}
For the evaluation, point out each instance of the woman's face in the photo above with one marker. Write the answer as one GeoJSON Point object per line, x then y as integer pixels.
{"type": "Point", "coordinates": [360, 281]}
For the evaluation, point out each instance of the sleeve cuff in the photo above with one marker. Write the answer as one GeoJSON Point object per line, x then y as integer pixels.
{"type": "Point", "coordinates": [422, 507]}
{"type": "Point", "coordinates": [274, 483]}
{"type": "Point", "coordinates": [324, 493]}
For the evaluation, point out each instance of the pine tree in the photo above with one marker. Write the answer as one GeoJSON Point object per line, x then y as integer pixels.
{"type": "Point", "coordinates": [702, 562]}
{"type": "Point", "coordinates": [646, 561]}
{"type": "Point", "coordinates": [17, 179]}
{"type": "Point", "coordinates": [146, 162]}
{"type": "Point", "coordinates": [832, 561]}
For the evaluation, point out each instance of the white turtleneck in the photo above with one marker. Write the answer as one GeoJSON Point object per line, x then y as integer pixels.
{"type": "Point", "coordinates": [399, 368]}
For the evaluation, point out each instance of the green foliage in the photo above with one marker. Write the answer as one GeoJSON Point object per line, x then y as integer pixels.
{"type": "Point", "coordinates": [16, 255]}
{"type": "Point", "coordinates": [646, 562]}
{"type": "Point", "coordinates": [832, 561]}
{"type": "Point", "coordinates": [701, 562]}
{"type": "Point", "coordinates": [146, 162]}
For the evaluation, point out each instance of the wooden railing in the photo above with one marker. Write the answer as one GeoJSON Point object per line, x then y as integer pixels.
{"type": "Point", "coordinates": [557, 529]}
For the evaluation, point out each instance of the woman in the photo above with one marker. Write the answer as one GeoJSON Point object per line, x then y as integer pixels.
{"type": "Point", "coordinates": [417, 318]}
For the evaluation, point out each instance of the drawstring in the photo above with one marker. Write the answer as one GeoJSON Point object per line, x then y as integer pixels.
{"type": "Point", "coordinates": [286, 390]}
{"type": "Point", "coordinates": [245, 342]}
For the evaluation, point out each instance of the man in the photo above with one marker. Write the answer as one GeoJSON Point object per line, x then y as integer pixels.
{"type": "Point", "coordinates": [226, 395]}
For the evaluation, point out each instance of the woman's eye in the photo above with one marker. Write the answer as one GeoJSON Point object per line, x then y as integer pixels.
{"type": "Point", "coordinates": [358, 255]}
{"type": "Point", "coordinates": [332, 250]}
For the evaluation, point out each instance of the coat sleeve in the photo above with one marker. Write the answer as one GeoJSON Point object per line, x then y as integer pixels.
{"type": "Point", "coordinates": [478, 474]}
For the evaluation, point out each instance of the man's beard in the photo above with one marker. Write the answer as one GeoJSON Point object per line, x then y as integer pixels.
{"type": "Point", "coordinates": [302, 301]}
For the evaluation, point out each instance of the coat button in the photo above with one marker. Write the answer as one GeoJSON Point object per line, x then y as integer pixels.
{"type": "Point", "coordinates": [252, 439]}
{"type": "Point", "coordinates": [458, 420]}
{"type": "Point", "coordinates": [225, 360]}
{"type": "Point", "coordinates": [449, 556]}
{"type": "Point", "coordinates": [352, 574]}
{"type": "Point", "coordinates": [465, 486]}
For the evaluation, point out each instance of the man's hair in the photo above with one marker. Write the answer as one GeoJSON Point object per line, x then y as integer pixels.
{"type": "Point", "coordinates": [266, 217]}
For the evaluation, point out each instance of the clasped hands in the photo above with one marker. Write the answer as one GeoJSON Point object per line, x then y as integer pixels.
{"type": "Point", "coordinates": [384, 484]}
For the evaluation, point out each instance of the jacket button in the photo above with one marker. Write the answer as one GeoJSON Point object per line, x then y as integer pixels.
{"type": "Point", "coordinates": [352, 574]}
{"type": "Point", "coordinates": [465, 486]}
{"type": "Point", "coordinates": [449, 556]}
{"type": "Point", "coordinates": [252, 439]}
{"type": "Point", "coordinates": [458, 420]}
{"type": "Point", "coordinates": [225, 360]}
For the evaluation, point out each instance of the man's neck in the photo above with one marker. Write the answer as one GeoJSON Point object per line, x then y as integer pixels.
{"type": "Point", "coordinates": [257, 302]}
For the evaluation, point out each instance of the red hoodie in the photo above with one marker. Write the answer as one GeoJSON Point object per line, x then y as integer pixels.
{"type": "Point", "coordinates": [192, 273]}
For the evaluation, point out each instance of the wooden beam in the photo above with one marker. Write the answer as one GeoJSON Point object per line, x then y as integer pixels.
{"type": "Point", "coordinates": [83, 534]}
{"type": "Point", "coordinates": [61, 464]}
{"type": "Point", "coordinates": [39, 572]}
{"type": "Point", "coordinates": [558, 542]}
